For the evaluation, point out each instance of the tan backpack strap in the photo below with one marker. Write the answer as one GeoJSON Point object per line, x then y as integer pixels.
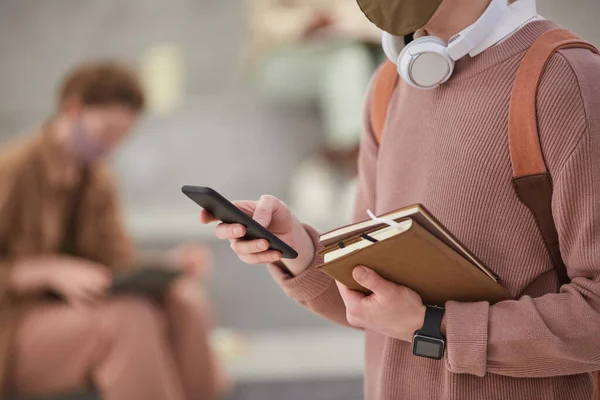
{"type": "Point", "coordinates": [531, 179]}
{"type": "Point", "coordinates": [385, 83]}
{"type": "Point", "coordinates": [525, 150]}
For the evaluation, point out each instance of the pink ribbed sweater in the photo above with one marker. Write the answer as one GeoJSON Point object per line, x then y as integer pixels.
{"type": "Point", "coordinates": [447, 149]}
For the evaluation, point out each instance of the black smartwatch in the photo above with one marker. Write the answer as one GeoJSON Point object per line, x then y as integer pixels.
{"type": "Point", "coordinates": [428, 341]}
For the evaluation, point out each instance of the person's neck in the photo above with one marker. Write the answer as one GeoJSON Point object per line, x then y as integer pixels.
{"type": "Point", "coordinates": [453, 16]}
{"type": "Point", "coordinates": [70, 166]}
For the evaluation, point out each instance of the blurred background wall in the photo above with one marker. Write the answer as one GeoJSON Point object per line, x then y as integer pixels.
{"type": "Point", "coordinates": [218, 135]}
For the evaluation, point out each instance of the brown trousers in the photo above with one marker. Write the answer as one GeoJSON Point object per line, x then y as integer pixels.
{"type": "Point", "coordinates": [129, 348]}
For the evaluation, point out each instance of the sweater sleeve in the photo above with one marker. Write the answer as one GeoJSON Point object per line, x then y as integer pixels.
{"type": "Point", "coordinates": [314, 289]}
{"type": "Point", "coordinates": [557, 334]}
{"type": "Point", "coordinates": [13, 158]}
{"type": "Point", "coordinates": [6, 194]}
{"type": "Point", "coordinates": [116, 249]}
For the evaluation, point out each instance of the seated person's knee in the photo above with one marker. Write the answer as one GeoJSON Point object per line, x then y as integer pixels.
{"type": "Point", "coordinates": [134, 312]}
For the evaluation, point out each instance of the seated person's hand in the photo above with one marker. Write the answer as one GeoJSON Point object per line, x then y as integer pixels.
{"type": "Point", "coordinates": [195, 260]}
{"type": "Point", "coordinates": [81, 282]}
{"type": "Point", "coordinates": [274, 215]}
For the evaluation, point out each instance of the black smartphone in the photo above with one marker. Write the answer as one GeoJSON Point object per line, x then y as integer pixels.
{"type": "Point", "coordinates": [228, 213]}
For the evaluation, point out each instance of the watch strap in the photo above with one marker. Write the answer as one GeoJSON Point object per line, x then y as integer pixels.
{"type": "Point", "coordinates": [433, 322]}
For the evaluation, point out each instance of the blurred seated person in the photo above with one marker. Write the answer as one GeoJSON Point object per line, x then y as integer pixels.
{"type": "Point", "coordinates": [321, 52]}
{"type": "Point", "coordinates": [61, 232]}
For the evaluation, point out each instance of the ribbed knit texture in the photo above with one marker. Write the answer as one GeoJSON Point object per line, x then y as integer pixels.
{"type": "Point", "coordinates": [448, 150]}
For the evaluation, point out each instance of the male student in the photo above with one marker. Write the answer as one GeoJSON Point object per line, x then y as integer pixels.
{"type": "Point", "coordinates": [61, 231]}
{"type": "Point", "coordinates": [447, 148]}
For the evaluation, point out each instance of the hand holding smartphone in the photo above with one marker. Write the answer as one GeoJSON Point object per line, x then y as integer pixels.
{"type": "Point", "coordinates": [227, 212]}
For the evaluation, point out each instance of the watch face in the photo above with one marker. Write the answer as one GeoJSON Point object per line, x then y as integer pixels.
{"type": "Point", "coordinates": [428, 347]}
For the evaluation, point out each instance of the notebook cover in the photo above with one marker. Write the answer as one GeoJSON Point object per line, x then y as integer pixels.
{"type": "Point", "coordinates": [422, 216]}
{"type": "Point", "coordinates": [418, 260]}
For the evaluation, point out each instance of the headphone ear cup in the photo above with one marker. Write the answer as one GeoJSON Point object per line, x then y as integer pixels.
{"type": "Point", "coordinates": [425, 63]}
{"type": "Point", "coordinates": [392, 46]}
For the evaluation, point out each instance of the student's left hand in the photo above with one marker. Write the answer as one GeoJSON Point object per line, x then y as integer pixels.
{"type": "Point", "coordinates": [392, 310]}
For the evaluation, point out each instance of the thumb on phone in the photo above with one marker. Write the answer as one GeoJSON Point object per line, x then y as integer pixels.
{"type": "Point", "coordinates": [264, 210]}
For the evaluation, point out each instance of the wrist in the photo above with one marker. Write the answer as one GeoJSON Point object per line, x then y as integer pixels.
{"type": "Point", "coordinates": [27, 278]}
{"type": "Point", "coordinates": [305, 248]}
{"type": "Point", "coordinates": [418, 321]}
{"type": "Point", "coordinates": [443, 327]}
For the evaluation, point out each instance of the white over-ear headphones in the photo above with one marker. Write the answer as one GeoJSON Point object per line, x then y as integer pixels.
{"type": "Point", "coordinates": [427, 62]}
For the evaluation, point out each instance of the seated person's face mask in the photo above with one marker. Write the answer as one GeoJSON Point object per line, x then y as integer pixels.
{"type": "Point", "coordinates": [399, 17]}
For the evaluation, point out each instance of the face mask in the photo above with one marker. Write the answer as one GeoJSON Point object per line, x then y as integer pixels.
{"type": "Point", "coordinates": [87, 149]}
{"type": "Point", "coordinates": [399, 17]}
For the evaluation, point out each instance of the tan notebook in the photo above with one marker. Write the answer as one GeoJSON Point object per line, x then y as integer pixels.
{"type": "Point", "coordinates": [419, 253]}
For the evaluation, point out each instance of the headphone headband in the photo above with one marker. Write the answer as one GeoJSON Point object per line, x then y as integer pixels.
{"type": "Point", "coordinates": [517, 14]}
{"type": "Point", "coordinates": [428, 62]}
{"type": "Point", "coordinates": [463, 43]}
